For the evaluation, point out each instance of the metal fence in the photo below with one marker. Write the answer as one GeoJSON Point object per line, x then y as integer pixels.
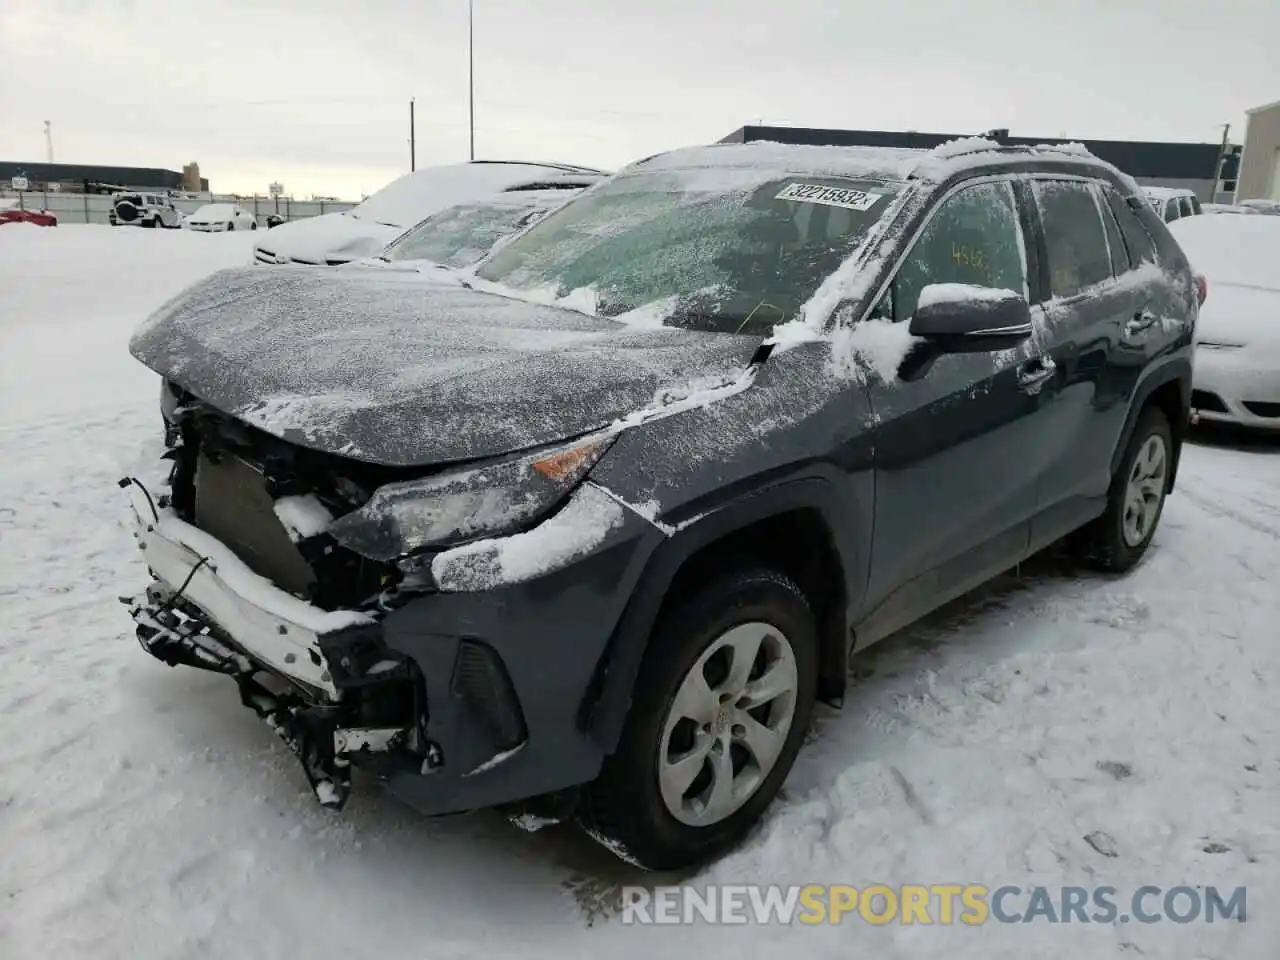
{"type": "Point", "coordinates": [93, 208]}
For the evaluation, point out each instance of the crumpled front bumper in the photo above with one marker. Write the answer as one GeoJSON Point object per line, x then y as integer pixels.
{"type": "Point", "coordinates": [207, 609]}
{"type": "Point", "coordinates": [503, 677]}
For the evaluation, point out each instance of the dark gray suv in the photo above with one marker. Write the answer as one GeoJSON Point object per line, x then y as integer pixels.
{"type": "Point", "coordinates": [590, 533]}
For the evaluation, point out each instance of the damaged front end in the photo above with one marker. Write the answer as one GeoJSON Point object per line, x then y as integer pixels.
{"type": "Point", "coordinates": [247, 583]}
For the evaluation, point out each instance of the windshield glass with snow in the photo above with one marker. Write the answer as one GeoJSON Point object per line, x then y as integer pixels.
{"type": "Point", "coordinates": [724, 251]}
{"type": "Point", "coordinates": [461, 235]}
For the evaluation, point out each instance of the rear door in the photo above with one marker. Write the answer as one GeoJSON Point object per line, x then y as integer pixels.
{"type": "Point", "coordinates": [957, 448]}
{"type": "Point", "coordinates": [1096, 314]}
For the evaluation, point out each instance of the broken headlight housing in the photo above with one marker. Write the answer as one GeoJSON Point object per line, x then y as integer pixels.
{"type": "Point", "coordinates": [457, 506]}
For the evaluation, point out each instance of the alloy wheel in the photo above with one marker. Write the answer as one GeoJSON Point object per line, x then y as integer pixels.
{"type": "Point", "coordinates": [1145, 490]}
{"type": "Point", "coordinates": [727, 724]}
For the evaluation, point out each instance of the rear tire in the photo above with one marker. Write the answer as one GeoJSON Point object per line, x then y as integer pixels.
{"type": "Point", "coordinates": [718, 713]}
{"type": "Point", "coordinates": [1117, 540]}
{"type": "Point", "coordinates": [231, 225]}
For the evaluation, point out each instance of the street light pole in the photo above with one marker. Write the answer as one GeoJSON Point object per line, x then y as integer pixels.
{"type": "Point", "coordinates": [413, 144]}
{"type": "Point", "coordinates": [471, 74]}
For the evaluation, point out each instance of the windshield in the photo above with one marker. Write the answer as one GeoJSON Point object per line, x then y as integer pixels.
{"type": "Point", "coordinates": [462, 235]}
{"type": "Point", "coordinates": [726, 250]}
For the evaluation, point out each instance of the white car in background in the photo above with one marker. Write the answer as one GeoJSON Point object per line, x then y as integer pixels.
{"type": "Point", "coordinates": [1271, 207]}
{"type": "Point", "coordinates": [1173, 203]}
{"type": "Point", "coordinates": [220, 217]}
{"type": "Point", "coordinates": [1237, 353]}
{"type": "Point", "coordinates": [365, 231]}
{"type": "Point", "coordinates": [461, 236]}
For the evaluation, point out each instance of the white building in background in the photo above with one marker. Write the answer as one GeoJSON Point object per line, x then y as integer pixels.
{"type": "Point", "coordinates": [1260, 162]}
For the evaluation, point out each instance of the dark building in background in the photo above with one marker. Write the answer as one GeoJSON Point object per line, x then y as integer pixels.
{"type": "Point", "coordinates": [71, 177]}
{"type": "Point", "coordinates": [1187, 165]}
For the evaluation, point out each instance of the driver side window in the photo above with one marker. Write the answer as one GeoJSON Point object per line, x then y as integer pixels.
{"type": "Point", "coordinates": [974, 237]}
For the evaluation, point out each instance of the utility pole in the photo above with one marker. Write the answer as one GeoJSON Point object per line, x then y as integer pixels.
{"type": "Point", "coordinates": [48, 141]}
{"type": "Point", "coordinates": [471, 73]}
{"type": "Point", "coordinates": [1222, 159]}
{"type": "Point", "coordinates": [413, 145]}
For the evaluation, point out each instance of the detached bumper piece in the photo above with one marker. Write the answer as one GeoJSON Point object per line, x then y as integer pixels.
{"type": "Point", "coordinates": [318, 734]}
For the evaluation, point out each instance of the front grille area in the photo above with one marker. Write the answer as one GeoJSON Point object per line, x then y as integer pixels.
{"type": "Point", "coordinates": [225, 479]}
{"type": "Point", "coordinates": [232, 503]}
{"type": "Point", "coordinates": [1261, 408]}
{"type": "Point", "coordinates": [1204, 400]}
{"type": "Point", "coordinates": [264, 256]}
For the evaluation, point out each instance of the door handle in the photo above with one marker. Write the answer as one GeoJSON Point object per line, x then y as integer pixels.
{"type": "Point", "coordinates": [1139, 322]}
{"type": "Point", "coordinates": [1035, 373]}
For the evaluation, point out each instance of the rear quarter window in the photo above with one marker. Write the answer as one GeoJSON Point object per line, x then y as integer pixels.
{"type": "Point", "coordinates": [1115, 239]}
{"type": "Point", "coordinates": [1137, 238]}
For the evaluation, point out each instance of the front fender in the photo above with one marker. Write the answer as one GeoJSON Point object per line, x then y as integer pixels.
{"type": "Point", "coordinates": [842, 511]}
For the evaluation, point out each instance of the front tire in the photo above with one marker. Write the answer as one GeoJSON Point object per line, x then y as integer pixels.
{"type": "Point", "coordinates": [1117, 540]}
{"type": "Point", "coordinates": [230, 225]}
{"type": "Point", "coordinates": [718, 713]}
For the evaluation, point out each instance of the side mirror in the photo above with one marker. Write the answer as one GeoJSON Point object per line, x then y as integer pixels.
{"type": "Point", "coordinates": [962, 318]}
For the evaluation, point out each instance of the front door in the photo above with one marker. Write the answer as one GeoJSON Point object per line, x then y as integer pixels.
{"type": "Point", "coordinates": [956, 450]}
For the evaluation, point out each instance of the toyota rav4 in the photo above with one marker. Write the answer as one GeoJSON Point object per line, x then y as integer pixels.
{"type": "Point", "coordinates": [589, 535]}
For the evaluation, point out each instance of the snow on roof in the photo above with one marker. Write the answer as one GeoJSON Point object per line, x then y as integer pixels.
{"type": "Point", "coordinates": [956, 155]}
{"type": "Point", "coordinates": [874, 163]}
{"type": "Point", "coordinates": [1164, 193]}
{"type": "Point", "coordinates": [784, 159]}
{"type": "Point", "coordinates": [415, 196]}
{"type": "Point", "coordinates": [213, 209]}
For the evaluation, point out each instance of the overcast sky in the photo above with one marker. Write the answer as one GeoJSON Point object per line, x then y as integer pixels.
{"type": "Point", "coordinates": [314, 93]}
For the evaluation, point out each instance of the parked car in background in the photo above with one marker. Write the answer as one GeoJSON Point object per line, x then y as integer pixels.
{"type": "Point", "coordinates": [1237, 368]}
{"type": "Point", "coordinates": [143, 210]}
{"type": "Point", "coordinates": [221, 217]}
{"type": "Point", "coordinates": [459, 237]}
{"type": "Point", "coordinates": [40, 218]}
{"type": "Point", "coordinates": [364, 231]}
{"type": "Point", "coordinates": [1271, 207]}
{"type": "Point", "coordinates": [591, 535]}
{"type": "Point", "coordinates": [1172, 203]}
{"type": "Point", "coordinates": [1230, 208]}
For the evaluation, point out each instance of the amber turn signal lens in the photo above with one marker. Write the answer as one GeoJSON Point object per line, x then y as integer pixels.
{"type": "Point", "coordinates": [565, 463]}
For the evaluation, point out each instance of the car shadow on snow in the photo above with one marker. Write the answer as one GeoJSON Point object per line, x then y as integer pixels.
{"type": "Point", "coordinates": [1229, 436]}
{"type": "Point", "coordinates": [195, 720]}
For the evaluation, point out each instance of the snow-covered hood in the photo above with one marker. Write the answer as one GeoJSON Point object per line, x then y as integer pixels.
{"type": "Point", "coordinates": [379, 366]}
{"type": "Point", "coordinates": [1246, 315]}
{"type": "Point", "coordinates": [337, 236]}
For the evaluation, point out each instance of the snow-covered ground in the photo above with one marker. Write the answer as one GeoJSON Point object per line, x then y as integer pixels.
{"type": "Point", "coordinates": [145, 814]}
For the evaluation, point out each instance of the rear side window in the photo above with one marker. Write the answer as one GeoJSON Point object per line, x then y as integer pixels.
{"type": "Point", "coordinates": [1073, 235]}
{"type": "Point", "coordinates": [1142, 248]}
{"type": "Point", "coordinates": [1171, 212]}
{"type": "Point", "coordinates": [1115, 240]}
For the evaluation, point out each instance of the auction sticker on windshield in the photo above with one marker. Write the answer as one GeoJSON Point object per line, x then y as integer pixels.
{"type": "Point", "coordinates": [831, 196]}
